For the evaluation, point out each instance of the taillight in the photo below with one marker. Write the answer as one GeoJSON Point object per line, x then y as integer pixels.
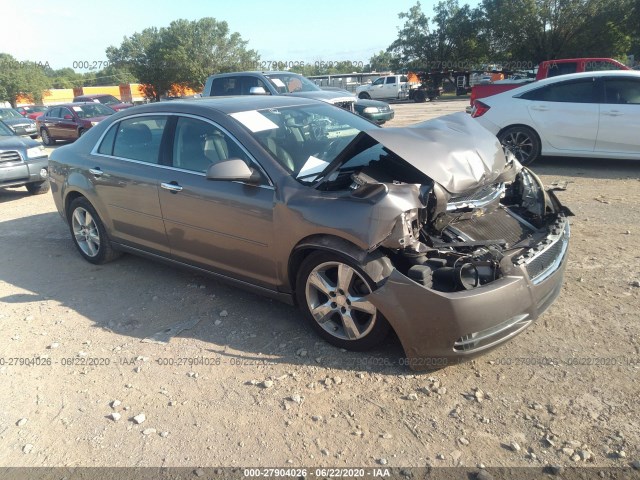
{"type": "Point", "coordinates": [479, 109]}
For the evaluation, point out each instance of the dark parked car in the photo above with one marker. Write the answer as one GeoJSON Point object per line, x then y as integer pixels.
{"type": "Point", "coordinates": [274, 83]}
{"type": "Point", "coordinates": [428, 230]}
{"type": "Point", "coordinates": [23, 162]}
{"type": "Point", "coordinates": [108, 100]}
{"type": "Point", "coordinates": [24, 127]}
{"type": "Point", "coordinates": [70, 121]}
{"type": "Point", "coordinates": [374, 110]}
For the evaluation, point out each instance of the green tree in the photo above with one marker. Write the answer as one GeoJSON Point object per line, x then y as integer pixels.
{"type": "Point", "coordinates": [539, 30]}
{"type": "Point", "coordinates": [414, 45]}
{"type": "Point", "coordinates": [182, 55]}
{"type": "Point", "coordinates": [25, 79]}
{"type": "Point", "coordinates": [383, 61]}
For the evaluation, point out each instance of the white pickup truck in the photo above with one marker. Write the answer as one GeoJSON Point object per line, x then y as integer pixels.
{"type": "Point", "coordinates": [387, 87]}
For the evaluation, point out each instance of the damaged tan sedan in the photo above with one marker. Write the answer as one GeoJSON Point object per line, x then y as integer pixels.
{"type": "Point", "coordinates": [430, 230]}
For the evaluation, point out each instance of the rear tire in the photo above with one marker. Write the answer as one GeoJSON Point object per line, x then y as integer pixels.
{"type": "Point", "coordinates": [38, 188]}
{"type": "Point", "coordinates": [331, 290]}
{"type": "Point", "coordinates": [522, 141]}
{"type": "Point", "coordinates": [419, 97]}
{"type": "Point", "coordinates": [46, 138]}
{"type": "Point", "coordinates": [88, 233]}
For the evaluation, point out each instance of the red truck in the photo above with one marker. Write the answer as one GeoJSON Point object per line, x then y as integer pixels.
{"type": "Point", "coordinates": [548, 68]}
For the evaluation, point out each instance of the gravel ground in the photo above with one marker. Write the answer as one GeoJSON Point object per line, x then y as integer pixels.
{"type": "Point", "coordinates": [243, 382]}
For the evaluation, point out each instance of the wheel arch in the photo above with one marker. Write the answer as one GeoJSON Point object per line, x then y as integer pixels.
{"type": "Point", "coordinates": [504, 129]}
{"type": "Point", "coordinates": [375, 264]}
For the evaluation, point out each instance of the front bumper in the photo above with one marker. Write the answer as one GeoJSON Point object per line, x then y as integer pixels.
{"type": "Point", "coordinates": [20, 173]}
{"type": "Point", "coordinates": [437, 329]}
{"type": "Point", "coordinates": [380, 117]}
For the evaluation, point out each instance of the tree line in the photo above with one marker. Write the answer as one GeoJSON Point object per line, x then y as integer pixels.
{"type": "Point", "coordinates": [516, 33]}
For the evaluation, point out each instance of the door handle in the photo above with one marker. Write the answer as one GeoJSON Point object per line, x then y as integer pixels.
{"type": "Point", "coordinates": [173, 187]}
{"type": "Point", "coordinates": [96, 172]}
{"type": "Point", "coordinates": [613, 113]}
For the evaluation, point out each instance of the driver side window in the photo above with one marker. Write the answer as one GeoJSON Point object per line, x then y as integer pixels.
{"type": "Point", "coordinates": [198, 144]}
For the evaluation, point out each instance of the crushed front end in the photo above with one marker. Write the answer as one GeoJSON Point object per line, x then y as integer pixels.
{"type": "Point", "coordinates": [473, 270]}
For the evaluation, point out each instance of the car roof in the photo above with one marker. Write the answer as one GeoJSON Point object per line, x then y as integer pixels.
{"type": "Point", "coordinates": [226, 105]}
{"type": "Point", "coordinates": [69, 105]}
{"type": "Point", "coordinates": [95, 95]}
{"type": "Point", "coordinates": [255, 72]}
{"type": "Point", "coordinates": [600, 73]}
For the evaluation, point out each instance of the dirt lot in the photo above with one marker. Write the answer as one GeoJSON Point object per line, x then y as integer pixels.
{"type": "Point", "coordinates": [247, 384]}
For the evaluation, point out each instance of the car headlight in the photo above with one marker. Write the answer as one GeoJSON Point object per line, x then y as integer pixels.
{"type": "Point", "coordinates": [93, 124]}
{"type": "Point", "coordinates": [35, 152]}
{"type": "Point", "coordinates": [371, 110]}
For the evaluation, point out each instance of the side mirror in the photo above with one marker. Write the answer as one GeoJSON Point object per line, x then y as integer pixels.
{"type": "Point", "coordinates": [257, 91]}
{"type": "Point", "coordinates": [68, 117]}
{"type": "Point", "coordinates": [233, 169]}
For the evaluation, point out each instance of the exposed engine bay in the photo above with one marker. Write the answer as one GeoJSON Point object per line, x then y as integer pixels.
{"type": "Point", "coordinates": [454, 242]}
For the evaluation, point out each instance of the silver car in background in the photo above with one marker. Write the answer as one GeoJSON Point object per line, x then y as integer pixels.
{"type": "Point", "coordinates": [430, 231]}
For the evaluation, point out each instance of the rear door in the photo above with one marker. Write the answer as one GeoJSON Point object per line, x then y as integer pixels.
{"type": "Point", "coordinates": [566, 114]}
{"type": "Point", "coordinates": [126, 171]}
{"type": "Point", "coordinates": [620, 117]}
{"type": "Point", "coordinates": [222, 226]}
{"type": "Point", "coordinates": [391, 87]}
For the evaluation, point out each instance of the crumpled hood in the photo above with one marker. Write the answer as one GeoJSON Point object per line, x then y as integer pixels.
{"type": "Point", "coordinates": [453, 150]}
{"type": "Point", "coordinates": [325, 96]}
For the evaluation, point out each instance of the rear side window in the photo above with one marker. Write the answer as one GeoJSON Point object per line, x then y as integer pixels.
{"type": "Point", "coordinates": [565, 68]}
{"type": "Point", "coordinates": [138, 138]}
{"type": "Point", "coordinates": [391, 79]}
{"type": "Point", "coordinates": [106, 146]}
{"type": "Point", "coordinates": [580, 91]}
{"type": "Point", "coordinates": [622, 91]}
{"type": "Point", "coordinates": [225, 86]}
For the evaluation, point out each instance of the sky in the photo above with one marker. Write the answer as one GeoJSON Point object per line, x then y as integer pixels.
{"type": "Point", "coordinates": [284, 31]}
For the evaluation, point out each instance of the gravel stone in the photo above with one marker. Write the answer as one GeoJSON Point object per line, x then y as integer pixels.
{"type": "Point", "coordinates": [139, 418]}
{"type": "Point", "coordinates": [21, 422]}
{"type": "Point", "coordinates": [411, 396]}
{"type": "Point", "coordinates": [514, 446]}
{"type": "Point", "coordinates": [382, 461]}
{"type": "Point", "coordinates": [116, 403]}
{"type": "Point", "coordinates": [267, 384]}
{"type": "Point", "coordinates": [27, 448]}
{"type": "Point", "coordinates": [53, 346]}
{"type": "Point", "coordinates": [149, 431]}
{"type": "Point", "coordinates": [115, 416]}
{"type": "Point", "coordinates": [224, 313]}
{"type": "Point", "coordinates": [463, 441]}
{"type": "Point", "coordinates": [164, 434]}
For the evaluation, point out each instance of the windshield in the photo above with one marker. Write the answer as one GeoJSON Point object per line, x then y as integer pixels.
{"type": "Point", "coordinates": [291, 82]}
{"type": "Point", "coordinates": [304, 139]}
{"type": "Point", "coordinates": [91, 110]}
{"type": "Point", "coordinates": [108, 100]}
{"type": "Point", "coordinates": [9, 113]}
{"type": "Point", "coordinates": [5, 131]}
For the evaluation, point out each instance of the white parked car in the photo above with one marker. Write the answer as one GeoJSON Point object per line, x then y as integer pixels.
{"type": "Point", "coordinates": [591, 114]}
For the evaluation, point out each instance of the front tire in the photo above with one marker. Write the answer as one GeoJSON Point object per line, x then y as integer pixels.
{"type": "Point", "coordinates": [38, 188]}
{"type": "Point", "coordinates": [331, 290]}
{"type": "Point", "coordinates": [89, 234]}
{"type": "Point", "coordinates": [364, 96]}
{"type": "Point", "coordinates": [419, 97]}
{"type": "Point", "coordinates": [522, 141]}
{"type": "Point", "coordinates": [46, 138]}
